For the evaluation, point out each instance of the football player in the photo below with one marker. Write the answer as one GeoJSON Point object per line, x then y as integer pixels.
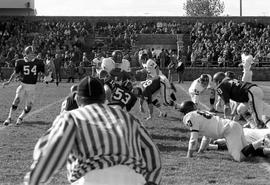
{"type": "Point", "coordinates": [152, 68]}
{"type": "Point", "coordinates": [118, 89]}
{"type": "Point", "coordinates": [214, 127]}
{"type": "Point", "coordinates": [28, 68]}
{"type": "Point", "coordinates": [156, 91]}
{"type": "Point", "coordinates": [233, 104]}
{"type": "Point", "coordinates": [116, 61]}
{"type": "Point", "coordinates": [247, 94]}
{"type": "Point", "coordinates": [200, 85]}
{"type": "Point", "coordinates": [247, 61]}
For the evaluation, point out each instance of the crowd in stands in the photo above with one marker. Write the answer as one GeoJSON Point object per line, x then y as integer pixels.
{"type": "Point", "coordinates": [219, 43]}
{"type": "Point", "coordinates": [223, 42]}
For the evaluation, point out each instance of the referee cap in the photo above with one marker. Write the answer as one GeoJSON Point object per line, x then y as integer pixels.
{"type": "Point", "coordinates": [74, 88]}
{"type": "Point", "coordinates": [91, 88]}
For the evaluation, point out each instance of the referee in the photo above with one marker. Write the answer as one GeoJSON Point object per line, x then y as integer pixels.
{"type": "Point", "coordinates": [100, 145]}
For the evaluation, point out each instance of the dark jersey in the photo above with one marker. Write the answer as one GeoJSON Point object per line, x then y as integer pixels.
{"type": "Point", "coordinates": [149, 87]}
{"type": "Point", "coordinates": [123, 98]}
{"type": "Point", "coordinates": [235, 90]}
{"type": "Point", "coordinates": [29, 70]}
{"type": "Point", "coordinates": [110, 83]}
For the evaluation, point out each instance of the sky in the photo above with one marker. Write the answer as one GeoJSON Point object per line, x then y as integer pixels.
{"type": "Point", "coordinates": [141, 7]}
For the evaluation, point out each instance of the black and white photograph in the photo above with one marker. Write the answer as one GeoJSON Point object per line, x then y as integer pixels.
{"type": "Point", "coordinates": [134, 92]}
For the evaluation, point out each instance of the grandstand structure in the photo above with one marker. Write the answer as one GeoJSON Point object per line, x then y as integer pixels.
{"type": "Point", "coordinates": [17, 8]}
{"type": "Point", "coordinates": [130, 34]}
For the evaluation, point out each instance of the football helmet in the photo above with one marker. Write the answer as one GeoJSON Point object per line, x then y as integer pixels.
{"type": "Point", "coordinates": [218, 77]}
{"type": "Point", "coordinates": [187, 106]}
{"type": "Point", "coordinates": [230, 74]}
{"type": "Point", "coordinates": [127, 85]}
{"type": "Point", "coordinates": [117, 56]}
{"type": "Point", "coordinates": [103, 75]}
{"type": "Point", "coordinates": [29, 53]}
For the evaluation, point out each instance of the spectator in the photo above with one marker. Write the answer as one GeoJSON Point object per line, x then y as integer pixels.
{"type": "Point", "coordinates": [71, 72]}
{"type": "Point", "coordinates": [58, 63]}
{"type": "Point", "coordinates": [180, 70]}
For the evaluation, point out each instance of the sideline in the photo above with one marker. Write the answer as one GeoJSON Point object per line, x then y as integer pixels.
{"type": "Point", "coordinates": [263, 162]}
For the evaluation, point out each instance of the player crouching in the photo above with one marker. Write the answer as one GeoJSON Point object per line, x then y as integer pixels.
{"type": "Point", "coordinates": [214, 127]}
{"type": "Point", "coordinates": [200, 85]}
{"type": "Point", "coordinates": [157, 92]}
{"type": "Point", "coordinates": [118, 87]}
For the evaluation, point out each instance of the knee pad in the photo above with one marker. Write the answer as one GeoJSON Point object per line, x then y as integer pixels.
{"type": "Point", "coordinates": [14, 107]}
{"type": "Point", "coordinates": [27, 109]}
{"type": "Point", "coordinates": [242, 109]}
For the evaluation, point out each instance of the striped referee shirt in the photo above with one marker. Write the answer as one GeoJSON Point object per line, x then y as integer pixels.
{"type": "Point", "coordinates": [93, 137]}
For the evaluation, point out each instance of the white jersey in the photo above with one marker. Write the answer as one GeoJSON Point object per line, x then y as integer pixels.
{"type": "Point", "coordinates": [108, 64]}
{"type": "Point", "coordinates": [254, 134]}
{"type": "Point", "coordinates": [124, 66]}
{"type": "Point", "coordinates": [215, 127]}
{"type": "Point", "coordinates": [152, 68]}
{"type": "Point", "coordinates": [247, 61]}
{"type": "Point", "coordinates": [197, 88]}
{"type": "Point", "coordinates": [206, 123]}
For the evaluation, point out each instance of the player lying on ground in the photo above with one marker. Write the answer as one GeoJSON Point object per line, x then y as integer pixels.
{"type": "Point", "coordinates": [156, 92]}
{"type": "Point", "coordinates": [251, 135]}
{"type": "Point", "coordinates": [200, 85]}
{"type": "Point", "coordinates": [211, 126]}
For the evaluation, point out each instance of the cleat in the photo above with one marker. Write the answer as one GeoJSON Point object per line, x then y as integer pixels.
{"type": "Point", "coordinates": [7, 122]}
{"type": "Point", "coordinates": [19, 121]}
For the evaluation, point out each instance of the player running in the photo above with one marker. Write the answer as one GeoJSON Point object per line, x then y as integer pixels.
{"type": "Point", "coordinates": [214, 127]}
{"type": "Point", "coordinates": [28, 68]}
{"type": "Point", "coordinates": [200, 85]}
{"type": "Point", "coordinates": [156, 91]}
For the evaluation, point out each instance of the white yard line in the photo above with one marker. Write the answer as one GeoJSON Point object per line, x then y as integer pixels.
{"type": "Point", "coordinates": [38, 111]}
{"type": "Point", "coordinates": [263, 162]}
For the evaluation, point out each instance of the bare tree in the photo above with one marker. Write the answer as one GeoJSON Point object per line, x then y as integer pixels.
{"type": "Point", "coordinates": [203, 7]}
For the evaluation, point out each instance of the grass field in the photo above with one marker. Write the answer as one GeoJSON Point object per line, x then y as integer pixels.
{"type": "Point", "coordinates": [171, 136]}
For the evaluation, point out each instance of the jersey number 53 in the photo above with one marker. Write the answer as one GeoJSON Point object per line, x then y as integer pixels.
{"type": "Point", "coordinates": [121, 95]}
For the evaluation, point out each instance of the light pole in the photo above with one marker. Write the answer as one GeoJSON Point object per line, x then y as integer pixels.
{"type": "Point", "coordinates": [240, 8]}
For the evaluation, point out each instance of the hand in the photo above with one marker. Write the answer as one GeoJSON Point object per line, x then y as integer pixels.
{"type": "Point", "coordinates": [149, 118]}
